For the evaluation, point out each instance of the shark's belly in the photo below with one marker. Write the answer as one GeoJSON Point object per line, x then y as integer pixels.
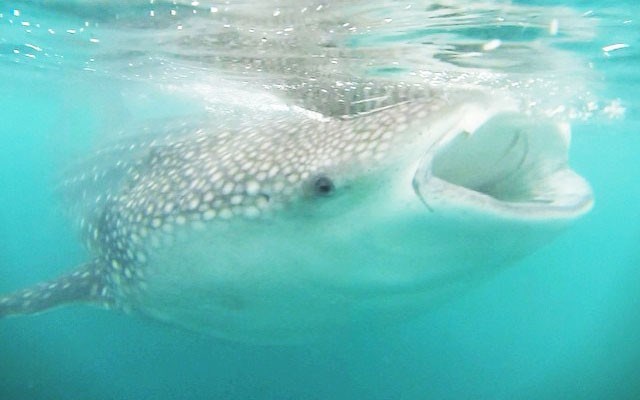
{"type": "Point", "coordinates": [273, 283]}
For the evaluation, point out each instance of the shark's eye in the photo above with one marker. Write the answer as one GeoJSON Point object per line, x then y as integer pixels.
{"type": "Point", "coordinates": [322, 185]}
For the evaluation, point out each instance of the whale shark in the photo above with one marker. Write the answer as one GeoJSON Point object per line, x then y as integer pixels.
{"type": "Point", "coordinates": [294, 225]}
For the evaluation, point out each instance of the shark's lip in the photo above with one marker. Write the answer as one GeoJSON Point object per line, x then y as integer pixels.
{"type": "Point", "coordinates": [503, 164]}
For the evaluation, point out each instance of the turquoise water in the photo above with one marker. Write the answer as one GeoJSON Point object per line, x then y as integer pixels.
{"type": "Point", "coordinates": [562, 323]}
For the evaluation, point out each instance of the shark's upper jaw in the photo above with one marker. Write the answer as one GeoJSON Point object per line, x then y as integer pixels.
{"type": "Point", "coordinates": [506, 165]}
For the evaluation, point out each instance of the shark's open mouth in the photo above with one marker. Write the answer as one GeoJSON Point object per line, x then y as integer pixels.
{"type": "Point", "coordinates": [510, 165]}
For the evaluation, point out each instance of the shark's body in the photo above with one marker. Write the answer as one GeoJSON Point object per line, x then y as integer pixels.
{"type": "Point", "coordinates": [292, 226]}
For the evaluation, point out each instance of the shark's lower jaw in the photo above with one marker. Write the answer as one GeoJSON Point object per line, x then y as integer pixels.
{"type": "Point", "coordinates": [510, 166]}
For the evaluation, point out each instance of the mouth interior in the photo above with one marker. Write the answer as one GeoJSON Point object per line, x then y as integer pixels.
{"type": "Point", "coordinates": [493, 161]}
{"type": "Point", "coordinates": [510, 159]}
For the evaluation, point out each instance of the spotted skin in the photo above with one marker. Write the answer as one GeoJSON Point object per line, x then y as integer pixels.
{"type": "Point", "coordinates": [190, 179]}
{"type": "Point", "coordinates": [246, 174]}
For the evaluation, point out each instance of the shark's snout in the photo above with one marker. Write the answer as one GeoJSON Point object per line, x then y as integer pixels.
{"type": "Point", "coordinates": [510, 165]}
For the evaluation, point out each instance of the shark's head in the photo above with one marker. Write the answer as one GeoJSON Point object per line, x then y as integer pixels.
{"type": "Point", "coordinates": [466, 154]}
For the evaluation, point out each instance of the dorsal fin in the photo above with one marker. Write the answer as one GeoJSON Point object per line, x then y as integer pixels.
{"type": "Point", "coordinates": [85, 284]}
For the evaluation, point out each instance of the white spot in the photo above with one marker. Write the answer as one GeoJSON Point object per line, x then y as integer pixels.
{"type": "Point", "coordinates": [278, 186]}
{"type": "Point", "coordinates": [226, 213]}
{"type": "Point", "coordinates": [208, 196]}
{"type": "Point", "coordinates": [116, 265]}
{"type": "Point", "coordinates": [273, 171]}
{"type": "Point", "coordinates": [365, 154]}
{"type": "Point", "coordinates": [141, 257]}
{"type": "Point", "coordinates": [252, 188]}
{"type": "Point", "coordinates": [235, 200]}
{"type": "Point", "coordinates": [247, 166]}
{"type": "Point", "coordinates": [262, 202]}
{"type": "Point", "coordinates": [227, 189]}
{"type": "Point", "coordinates": [209, 215]}
{"type": "Point", "coordinates": [215, 176]}
{"type": "Point", "coordinates": [251, 212]}
{"type": "Point", "coordinates": [194, 203]}
{"type": "Point", "coordinates": [181, 220]}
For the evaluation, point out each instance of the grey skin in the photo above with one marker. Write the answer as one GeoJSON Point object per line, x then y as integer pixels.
{"type": "Point", "coordinates": [290, 226]}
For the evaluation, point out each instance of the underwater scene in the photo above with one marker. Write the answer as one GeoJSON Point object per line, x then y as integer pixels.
{"type": "Point", "coordinates": [301, 199]}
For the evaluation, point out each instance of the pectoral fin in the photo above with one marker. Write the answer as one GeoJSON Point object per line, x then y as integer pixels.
{"type": "Point", "coordinates": [85, 284]}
